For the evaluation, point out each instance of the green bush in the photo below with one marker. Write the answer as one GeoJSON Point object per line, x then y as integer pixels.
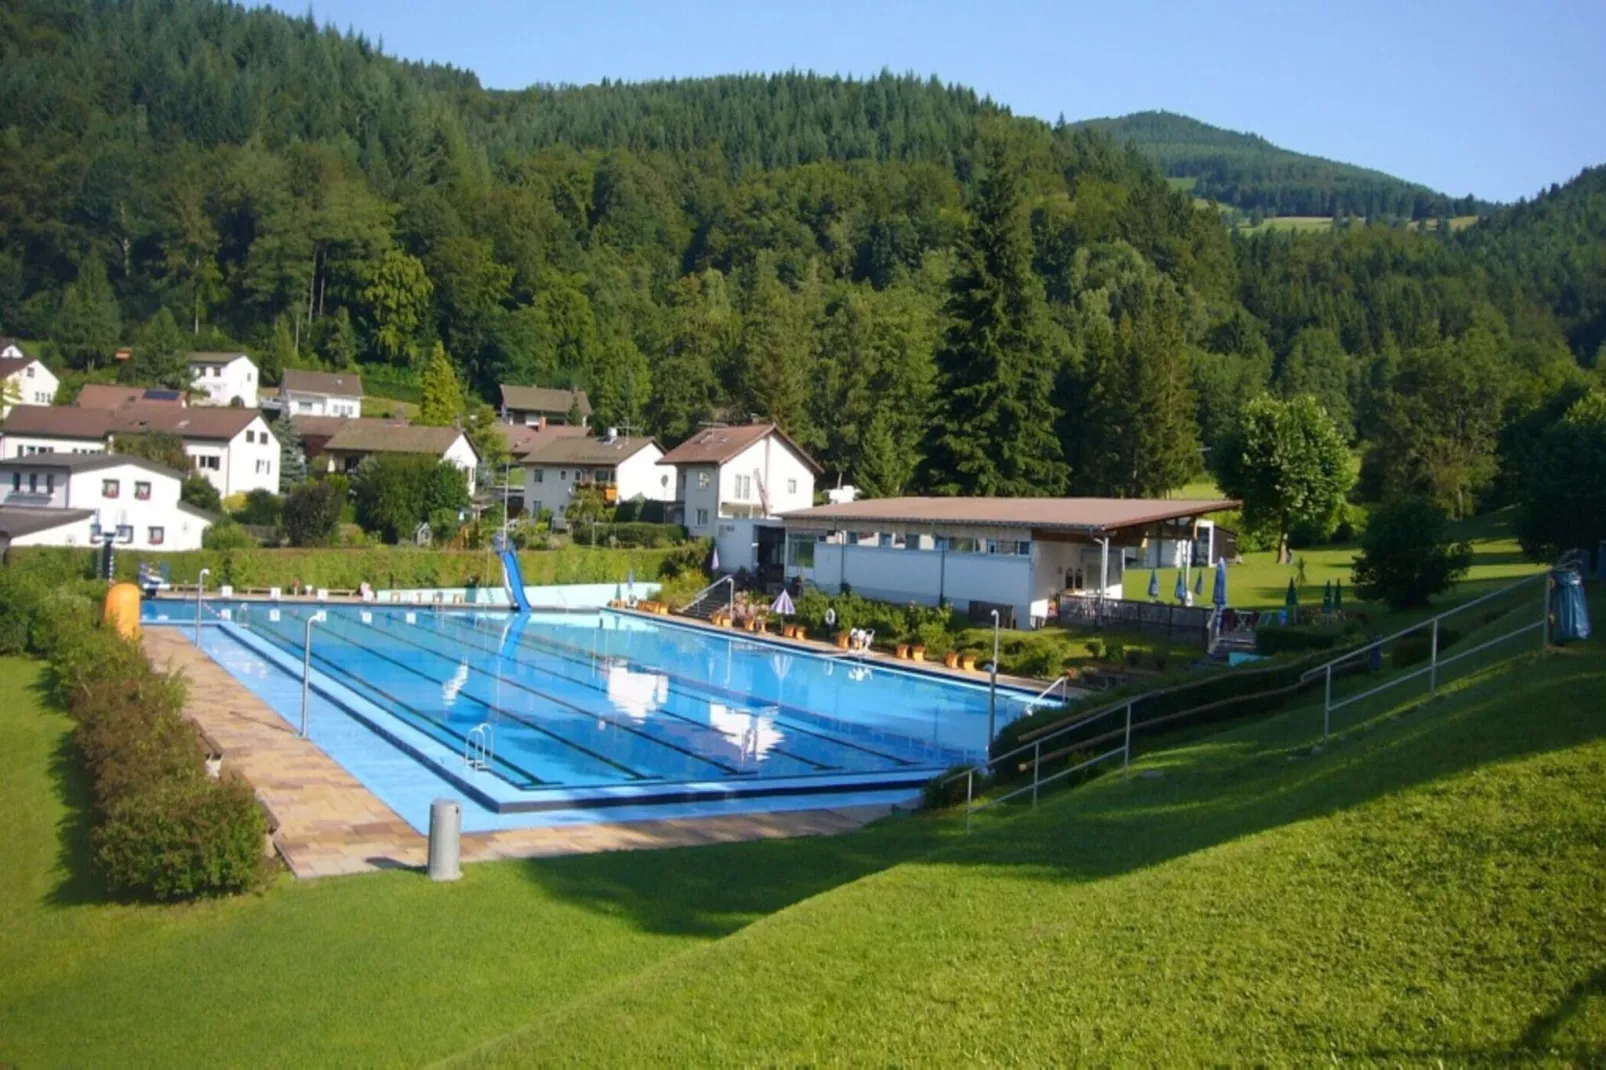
{"type": "Point", "coordinates": [262, 508]}
{"type": "Point", "coordinates": [1416, 649]}
{"type": "Point", "coordinates": [162, 828]}
{"type": "Point", "coordinates": [1408, 554]}
{"type": "Point", "coordinates": [227, 535]}
{"type": "Point", "coordinates": [381, 566]}
{"type": "Point", "coordinates": [948, 788]}
{"type": "Point", "coordinates": [1299, 638]}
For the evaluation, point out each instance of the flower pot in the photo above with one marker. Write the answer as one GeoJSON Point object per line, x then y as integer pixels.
{"type": "Point", "coordinates": [802, 632]}
{"type": "Point", "coordinates": [750, 625]}
{"type": "Point", "coordinates": [763, 627]}
{"type": "Point", "coordinates": [951, 660]}
{"type": "Point", "coordinates": [789, 630]}
{"type": "Point", "coordinates": [841, 640]}
{"type": "Point", "coordinates": [918, 653]}
{"type": "Point", "coordinates": [967, 662]}
{"type": "Point", "coordinates": [902, 652]}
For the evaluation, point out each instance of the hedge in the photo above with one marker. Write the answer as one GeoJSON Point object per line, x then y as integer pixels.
{"type": "Point", "coordinates": [628, 534]}
{"type": "Point", "coordinates": [1299, 638]}
{"type": "Point", "coordinates": [1220, 696]}
{"type": "Point", "coordinates": [161, 827]}
{"type": "Point", "coordinates": [380, 566]}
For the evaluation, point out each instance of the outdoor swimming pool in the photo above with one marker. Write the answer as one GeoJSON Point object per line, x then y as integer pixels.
{"type": "Point", "coordinates": [551, 711]}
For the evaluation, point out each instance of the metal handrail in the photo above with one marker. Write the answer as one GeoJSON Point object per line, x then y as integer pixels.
{"type": "Point", "coordinates": [1353, 652]}
{"type": "Point", "coordinates": [702, 594]}
{"type": "Point", "coordinates": [1037, 744]}
{"type": "Point", "coordinates": [1061, 683]}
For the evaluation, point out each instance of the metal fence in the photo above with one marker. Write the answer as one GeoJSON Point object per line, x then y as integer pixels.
{"type": "Point", "coordinates": [1189, 624]}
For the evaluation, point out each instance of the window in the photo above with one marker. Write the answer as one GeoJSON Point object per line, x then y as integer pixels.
{"type": "Point", "coordinates": [264, 468]}
{"type": "Point", "coordinates": [208, 462]}
{"type": "Point", "coordinates": [538, 475]}
{"type": "Point", "coordinates": [702, 480]}
{"type": "Point", "coordinates": [156, 536]}
{"type": "Point", "coordinates": [563, 474]}
{"type": "Point", "coordinates": [963, 544]}
{"type": "Point", "coordinates": [744, 487]}
{"type": "Point", "coordinates": [250, 435]}
{"type": "Point", "coordinates": [791, 486]}
{"type": "Point", "coordinates": [109, 488]}
{"type": "Point", "coordinates": [800, 550]}
{"type": "Point", "coordinates": [28, 371]}
{"type": "Point", "coordinates": [142, 491]}
{"type": "Point", "coordinates": [41, 398]}
{"type": "Point", "coordinates": [702, 518]}
{"type": "Point", "coordinates": [604, 475]}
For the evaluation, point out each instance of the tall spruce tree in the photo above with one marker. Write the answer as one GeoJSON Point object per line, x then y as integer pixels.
{"type": "Point", "coordinates": [441, 400]}
{"type": "Point", "coordinates": [292, 453]}
{"type": "Point", "coordinates": [994, 429]}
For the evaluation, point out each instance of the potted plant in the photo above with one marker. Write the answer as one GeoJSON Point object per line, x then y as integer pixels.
{"type": "Point", "coordinates": [951, 659]}
{"type": "Point", "coordinates": [901, 651]}
{"type": "Point", "coordinates": [789, 630]}
{"type": "Point", "coordinates": [842, 640]}
{"type": "Point", "coordinates": [967, 661]}
{"type": "Point", "coordinates": [917, 652]}
{"type": "Point", "coordinates": [802, 632]}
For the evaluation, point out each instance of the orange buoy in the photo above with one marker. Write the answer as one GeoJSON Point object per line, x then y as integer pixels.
{"type": "Point", "coordinates": [122, 609]}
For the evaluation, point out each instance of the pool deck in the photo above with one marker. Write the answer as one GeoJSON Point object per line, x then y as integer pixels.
{"type": "Point", "coordinates": [328, 824]}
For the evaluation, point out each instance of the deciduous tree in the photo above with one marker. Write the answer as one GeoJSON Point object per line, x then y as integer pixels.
{"type": "Point", "coordinates": [1288, 463]}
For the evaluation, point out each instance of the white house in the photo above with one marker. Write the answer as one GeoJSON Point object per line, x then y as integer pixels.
{"type": "Point", "coordinates": [626, 469]}
{"type": "Point", "coordinates": [733, 482]}
{"type": "Point", "coordinates": [27, 380]}
{"type": "Point", "coordinates": [233, 448]}
{"type": "Point", "coordinates": [357, 439]}
{"type": "Point", "coordinates": [225, 378]}
{"type": "Point", "coordinates": [539, 405]}
{"type": "Point", "coordinates": [304, 393]}
{"type": "Point", "coordinates": [62, 499]}
{"type": "Point", "coordinates": [1016, 555]}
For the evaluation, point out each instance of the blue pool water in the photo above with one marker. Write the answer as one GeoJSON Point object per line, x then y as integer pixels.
{"type": "Point", "coordinates": [597, 709]}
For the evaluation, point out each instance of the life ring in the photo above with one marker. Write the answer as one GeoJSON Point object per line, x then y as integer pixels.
{"type": "Point", "coordinates": [830, 616]}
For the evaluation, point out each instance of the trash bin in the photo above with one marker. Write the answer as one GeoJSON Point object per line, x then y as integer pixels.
{"type": "Point", "coordinates": [1568, 608]}
{"type": "Point", "coordinates": [445, 835]}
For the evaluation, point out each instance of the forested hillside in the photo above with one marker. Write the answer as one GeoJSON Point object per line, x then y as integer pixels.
{"type": "Point", "coordinates": [1248, 172]}
{"type": "Point", "coordinates": [819, 251]}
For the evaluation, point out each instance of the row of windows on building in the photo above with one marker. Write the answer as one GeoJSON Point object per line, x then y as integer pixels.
{"type": "Point", "coordinates": [155, 535]}
{"type": "Point", "coordinates": [113, 488]}
{"type": "Point", "coordinates": [800, 547]}
{"type": "Point", "coordinates": [598, 475]}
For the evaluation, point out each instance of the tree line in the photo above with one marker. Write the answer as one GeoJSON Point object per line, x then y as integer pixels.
{"type": "Point", "coordinates": [927, 292]}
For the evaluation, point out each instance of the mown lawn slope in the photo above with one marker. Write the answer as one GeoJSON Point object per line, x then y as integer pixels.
{"type": "Point", "coordinates": [1432, 887]}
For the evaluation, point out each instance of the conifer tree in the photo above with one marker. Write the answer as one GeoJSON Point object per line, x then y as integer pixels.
{"type": "Point", "coordinates": [292, 453]}
{"type": "Point", "coordinates": [442, 399]}
{"type": "Point", "coordinates": [993, 432]}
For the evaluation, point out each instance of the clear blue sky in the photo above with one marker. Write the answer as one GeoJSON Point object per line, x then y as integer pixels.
{"type": "Point", "coordinates": [1467, 96]}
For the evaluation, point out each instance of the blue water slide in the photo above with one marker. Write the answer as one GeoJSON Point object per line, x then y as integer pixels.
{"type": "Point", "coordinates": [512, 576]}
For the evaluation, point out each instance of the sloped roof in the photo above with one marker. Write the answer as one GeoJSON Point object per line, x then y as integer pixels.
{"type": "Point", "coordinates": [215, 357]}
{"type": "Point", "coordinates": [1093, 515]}
{"type": "Point", "coordinates": [110, 396]}
{"type": "Point", "coordinates": [522, 438]}
{"type": "Point", "coordinates": [544, 399]}
{"type": "Point", "coordinates": [588, 451]}
{"type": "Point", "coordinates": [87, 462]}
{"type": "Point", "coordinates": [716, 445]}
{"type": "Point", "coordinates": [359, 436]}
{"type": "Point", "coordinates": [19, 520]}
{"type": "Point", "coordinates": [55, 421]}
{"type": "Point", "coordinates": [340, 384]}
{"type": "Point", "coordinates": [193, 422]}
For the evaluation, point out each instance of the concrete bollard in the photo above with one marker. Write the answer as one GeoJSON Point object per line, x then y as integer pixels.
{"type": "Point", "coordinates": [445, 833]}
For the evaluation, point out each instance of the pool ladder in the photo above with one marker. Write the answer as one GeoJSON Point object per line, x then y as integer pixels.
{"type": "Point", "coordinates": [479, 746]}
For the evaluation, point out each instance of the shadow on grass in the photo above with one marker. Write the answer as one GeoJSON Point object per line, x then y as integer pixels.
{"type": "Point", "coordinates": [81, 883]}
{"type": "Point", "coordinates": [1247, 781]}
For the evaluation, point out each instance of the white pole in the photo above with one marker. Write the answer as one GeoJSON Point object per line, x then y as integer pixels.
{"type": "Point", "coordinates": [306, 672]}
{"type": "Point", "coordinates": [1433, 662]}
{"type": "Point", "coordinates": [1126, 747]}
{"type": "Point", "coordinates": [506, 470]}
{"type": "Point", "coordinates": [1104, 574]}
{"type": "Point", "coordinates": [200, 586]}
{"type": "Point", "coordinates": [992, 688]}
{"type": "Point", "coordinates": [1544, 620]}
{"type": "Point", "coordinates": [1327, 705]}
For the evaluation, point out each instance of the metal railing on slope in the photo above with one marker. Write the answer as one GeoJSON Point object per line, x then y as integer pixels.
{"type": "Point", "coordinates": [697, 599]}
{"type": "Point", "coordinates": [1435, 662]}
{"type": "Point", "coordinates": [1327, 670]}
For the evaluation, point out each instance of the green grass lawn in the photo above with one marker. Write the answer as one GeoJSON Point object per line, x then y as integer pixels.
{"type": "Point", "coordinates": [1430, 890]}
{"type": "Point", "coordinates": [384, 969]}
{"type": "Point", "coordinates": [1261, 583]}
{"type": "Point", "coordinates": [1432, 887]}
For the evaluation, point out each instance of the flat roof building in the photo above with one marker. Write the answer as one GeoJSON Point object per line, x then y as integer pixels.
{"type": "Point", "coordinates": [1010, 554]}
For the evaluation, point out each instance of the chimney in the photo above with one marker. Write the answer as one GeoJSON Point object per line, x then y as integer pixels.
{"type": "Point", "coordinates": [613, 434]}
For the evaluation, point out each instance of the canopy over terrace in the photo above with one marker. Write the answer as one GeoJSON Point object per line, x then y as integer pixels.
{"type": "Point", "coordinates": [1013, 554]}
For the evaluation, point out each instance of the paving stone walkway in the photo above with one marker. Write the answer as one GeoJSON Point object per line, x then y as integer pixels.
{"type": "Point", "coordinates": [329, 824]}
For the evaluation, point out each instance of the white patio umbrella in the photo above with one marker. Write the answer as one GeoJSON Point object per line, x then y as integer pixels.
{"type": "Point", "coordinates": [782, 606]}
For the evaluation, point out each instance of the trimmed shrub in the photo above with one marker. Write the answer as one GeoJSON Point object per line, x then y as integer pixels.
{"type": "Point", "coordinates": [942, 793]}
{"type": "Point", "coordinates": [181, 838]}
{"type": "Point", "coordinates": [1296, 639]}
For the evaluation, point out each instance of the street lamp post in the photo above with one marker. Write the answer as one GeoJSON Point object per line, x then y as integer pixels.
{"type": "Point", "coordinates": [306, 670]}
{"type": "Point", "coordinates": [200, 586]}
{"type": "Point", "coordinates": [992, 686]}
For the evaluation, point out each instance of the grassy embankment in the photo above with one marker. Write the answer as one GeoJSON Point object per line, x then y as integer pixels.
{"type": "Point", "coordinates": [1430, 888]}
